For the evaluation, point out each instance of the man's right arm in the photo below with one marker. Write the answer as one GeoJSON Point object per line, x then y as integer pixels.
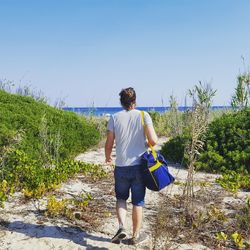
{"type": "Point", "coordinates": [108, 146]}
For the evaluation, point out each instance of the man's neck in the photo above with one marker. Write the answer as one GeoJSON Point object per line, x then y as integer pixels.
{"type": "Point", "coordinates": [131, 108]}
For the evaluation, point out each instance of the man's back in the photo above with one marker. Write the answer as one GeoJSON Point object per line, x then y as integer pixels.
{"type": "Point", "coordinates": [129, 136]}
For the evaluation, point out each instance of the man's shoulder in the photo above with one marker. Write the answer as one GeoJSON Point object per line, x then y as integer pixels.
{"type": "Point", "coordinates": [123, 114]}
{"type": "Point", "coordinates": [119, 113]}
{"type": "Point", "coordinates": [144, 111]}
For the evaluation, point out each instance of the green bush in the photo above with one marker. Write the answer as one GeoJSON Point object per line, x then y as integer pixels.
{"type": "Point", "coordinates": [44, 126]}
{"type": "Point", "coordinates": [232, 181]}
{"type": "Point", "coordinates": [227, 145]}
{"type": "Point", "coordinates": [20, 173]}
{"type": "Point", "coordinates": [173, 150]}
{"type": "Point", "coordinates": [37, 142]}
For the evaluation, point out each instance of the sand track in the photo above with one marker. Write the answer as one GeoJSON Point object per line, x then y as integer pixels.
{"type": "Point", "coordinates": [23, 227]}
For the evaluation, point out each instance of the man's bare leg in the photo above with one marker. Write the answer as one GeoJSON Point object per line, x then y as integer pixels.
{"type": "Point", "coordinates": [121, 211]}
{"type": "Point", "coordinates": [137, 219]}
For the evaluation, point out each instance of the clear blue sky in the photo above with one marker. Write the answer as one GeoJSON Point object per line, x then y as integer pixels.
{"type": "Point", "coordinates": [87, 51]}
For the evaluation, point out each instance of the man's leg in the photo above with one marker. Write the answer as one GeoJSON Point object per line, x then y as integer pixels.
{"type": "Point", "coordinates": [122, 186]}
{"type": "Point", "coordinates": [121, 211]}
{"type": "Point", "coordinates": [138, 191]}
{"type": "Point", "coordinates": [137, 219]}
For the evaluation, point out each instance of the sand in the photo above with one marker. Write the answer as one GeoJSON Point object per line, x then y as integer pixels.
{"type": "Point", "coordinates": [22, 227]}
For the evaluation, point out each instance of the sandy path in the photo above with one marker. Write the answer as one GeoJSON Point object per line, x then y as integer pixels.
{"type": "Point", "coordinates": [22, 227]}
{"type": "Point", "coordinates": [152, 202]}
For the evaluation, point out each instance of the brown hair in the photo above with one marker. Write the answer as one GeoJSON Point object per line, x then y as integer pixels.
{"type": "Point", "coordinates": [127, 98]}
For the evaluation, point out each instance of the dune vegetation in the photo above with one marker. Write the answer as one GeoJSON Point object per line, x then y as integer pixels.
{"type": "Point", "coordinates": [219, 145]}
{"type": "Point", "coordinates": [38, 144]}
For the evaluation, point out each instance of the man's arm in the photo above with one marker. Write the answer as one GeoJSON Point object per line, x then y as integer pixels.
{"type": "Point", "coordinates": [151, 135]}
{"type": "Point", "coordinates": [108, 146]}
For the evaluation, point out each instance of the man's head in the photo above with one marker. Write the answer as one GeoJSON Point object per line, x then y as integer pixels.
{"type": "Point", "coordinates": [128, 98]}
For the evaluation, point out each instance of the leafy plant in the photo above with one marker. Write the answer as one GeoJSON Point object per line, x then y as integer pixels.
{"type": "Point", "coordinates": [34, 179]}
{"type": "Point", "coordinates": [221, 236]}
{"type": "Point", "coordinates": [227, 144]}
{"type": "Point", "coordinates": [56, 207]}
{"type": "Point", "coordinates": [173, 150]}
{"type": "Point", "coordinates": [240, 99]}
{"type": "Point", "coordinates": [5, 190]}
{"type": "Point", "coordinates": [238, 240]}
{"type": "Point", "coordinates": [18, 113]}
{"type": "Point", "coordinates": [233, 181]}
{"type": "Point", "coordinates": [67, 206]}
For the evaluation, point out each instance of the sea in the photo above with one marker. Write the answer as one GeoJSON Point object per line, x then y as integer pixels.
{"type": "Point", "coordinates": [107, 111]}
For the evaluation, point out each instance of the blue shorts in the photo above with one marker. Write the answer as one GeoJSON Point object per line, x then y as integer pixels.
{"type": "Point", "coordinates": [127, 178]}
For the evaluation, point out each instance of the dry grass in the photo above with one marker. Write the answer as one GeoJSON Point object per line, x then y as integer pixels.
{"type": "Point", "coordinates": [90, 217]}
{"type": "Point", "coordinates": [173, 226]}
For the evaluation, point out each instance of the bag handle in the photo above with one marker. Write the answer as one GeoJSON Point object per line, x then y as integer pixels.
{"type": "Point", "coordinates": [151, 147]}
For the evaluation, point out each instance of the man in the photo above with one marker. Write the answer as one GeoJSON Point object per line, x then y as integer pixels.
{"type": "Point", "coordinates": [126, 130]}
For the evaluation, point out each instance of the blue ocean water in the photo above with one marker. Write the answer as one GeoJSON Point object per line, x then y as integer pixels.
{"type": "Point", "coordinates": [107, 111]}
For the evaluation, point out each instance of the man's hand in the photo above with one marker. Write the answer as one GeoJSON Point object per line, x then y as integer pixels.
{"type": "Point", "coordinates": [109, 161]}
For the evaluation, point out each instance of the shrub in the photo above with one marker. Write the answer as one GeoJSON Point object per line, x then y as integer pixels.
{"type": "Point", "coordinates": [173, 150]}
{"type": "Point", "coordinates": [20, 173]}
{"type": "Point", "coordinates": [75, 133]}
{"type": "Point", "coordinates": [36, 143]}
{"type": "Point", "coordinates": [227, 144]}
{"type": "Point", "coordinates": [232, 181]}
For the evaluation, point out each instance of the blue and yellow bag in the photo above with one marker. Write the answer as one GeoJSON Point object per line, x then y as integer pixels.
{"type": "Point", "coordinates": [155, 173]}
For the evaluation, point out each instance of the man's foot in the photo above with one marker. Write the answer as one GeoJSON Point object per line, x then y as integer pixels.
{"type": "Point", "coordinates": [120, 235]}
{"type": "Point", "coordinates": [137, 240]}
